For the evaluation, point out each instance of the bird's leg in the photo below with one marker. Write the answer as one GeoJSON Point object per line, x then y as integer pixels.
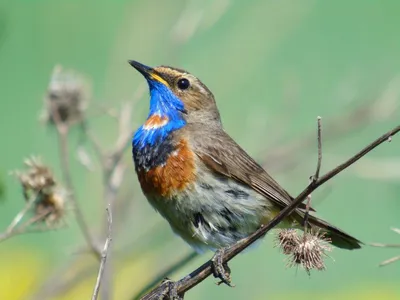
{"type": "Point", "coordinates": [172, 292]}
{"type": "Point", "coordinates": [221, 269]}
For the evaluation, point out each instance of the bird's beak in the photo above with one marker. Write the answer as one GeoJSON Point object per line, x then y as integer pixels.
{"type": "Point", "coordinates": [144, 70]}
{"type": "Point", "coordinates": [149, 73]}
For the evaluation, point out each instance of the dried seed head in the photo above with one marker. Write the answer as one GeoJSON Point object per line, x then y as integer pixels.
{"type": "Point", "coordinates": [36, 178]}
{"type": "Point", "coordinates": [38, 183]}
{"type": "Point", "coordinates": [287, 240]}
{"type": "Point", "coordinates": [310, 252]}
{"type": "Point", "coordinates": [52, 206]}
{"type": "Point", "coordinates": [66, 98]}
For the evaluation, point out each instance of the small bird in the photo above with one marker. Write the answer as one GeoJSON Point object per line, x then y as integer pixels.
{"type": "Point", "coordinates": [211, 192]}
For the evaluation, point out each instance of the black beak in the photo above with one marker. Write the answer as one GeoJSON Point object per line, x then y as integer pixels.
{"type": "Point", "coordinates": [144, 70]}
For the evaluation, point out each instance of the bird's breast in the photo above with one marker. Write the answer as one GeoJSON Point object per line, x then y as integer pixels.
{"type": "Point", "coordinates": [172, 175]}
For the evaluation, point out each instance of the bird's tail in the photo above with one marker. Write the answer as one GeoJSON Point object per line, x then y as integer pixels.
{"type": "Point", "coordinates": [338, 238]}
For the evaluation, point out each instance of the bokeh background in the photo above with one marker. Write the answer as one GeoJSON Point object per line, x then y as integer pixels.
{"type": "Point", "coordinates": [274, 66]}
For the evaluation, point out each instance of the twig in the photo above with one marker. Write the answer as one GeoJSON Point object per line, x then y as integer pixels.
{"type": "Point", "coordinates": [316, 175]}
{"type": "Point", "coordinates": [319, 140]}
{"type": "Point", "coordinates": [176, 266]}
{"type": "Point", "coordinates": [205, 270]}
{"type": "Point", "coordinates": [12, 230]}
{"type": "Point", "coordinates": [103, 255]}
{"type": "Point", "coordinates": [384, 245]}
{"type": "Point", "coordinates": [20, 215]}
{"type": "Point", "coordinates": [389, 261]}
{"type": "Point", "coordinates": [393, 259]}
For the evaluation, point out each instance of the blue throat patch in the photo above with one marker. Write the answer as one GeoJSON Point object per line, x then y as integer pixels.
{"type": "Point", "coordinates": [163, 103]}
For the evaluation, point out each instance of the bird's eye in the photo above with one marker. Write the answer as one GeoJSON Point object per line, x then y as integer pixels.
{"type": "Point", "coordinates": [183, 84]}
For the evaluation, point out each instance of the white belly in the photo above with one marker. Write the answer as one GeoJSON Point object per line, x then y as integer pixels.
{"type": "Point", "coordinates": [214, 215]}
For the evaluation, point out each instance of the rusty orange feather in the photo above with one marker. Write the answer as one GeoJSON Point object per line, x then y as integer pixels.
{"type": "Point", "coordinates": [174, 176]}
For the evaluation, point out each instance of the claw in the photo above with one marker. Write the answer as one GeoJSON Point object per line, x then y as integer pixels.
{"type": "Point", "coordinates": [221, 269]}
{"type": "Point", "coordinates": [172, 292]}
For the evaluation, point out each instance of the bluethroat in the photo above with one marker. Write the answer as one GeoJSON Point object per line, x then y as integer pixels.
{"type": "Point", "coordinates": [211, 192]}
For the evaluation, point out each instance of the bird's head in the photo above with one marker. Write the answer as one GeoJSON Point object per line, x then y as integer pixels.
{"type": "Point", "coordinates": [177, 95]}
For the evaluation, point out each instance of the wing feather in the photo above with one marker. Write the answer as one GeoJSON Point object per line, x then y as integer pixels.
{"type": "Point", "coordinates": [221, 154]}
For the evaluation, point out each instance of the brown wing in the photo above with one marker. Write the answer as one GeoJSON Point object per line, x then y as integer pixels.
{"type": "Point", "coordinates": [220, 153]}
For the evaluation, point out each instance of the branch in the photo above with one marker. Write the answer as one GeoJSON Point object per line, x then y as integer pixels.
{"type": "Point", "coordinates": [103, 255]}
{"type": "Point", "coordinates": [176, 266]}
{"type": "Point", "coordinates": [205, 270]}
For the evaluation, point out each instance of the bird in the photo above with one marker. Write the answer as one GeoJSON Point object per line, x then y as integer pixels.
{"type": "Point", "coordinates": [211, 192]}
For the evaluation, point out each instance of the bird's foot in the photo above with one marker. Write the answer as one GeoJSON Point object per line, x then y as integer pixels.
{"type": "Point", "coordinates": [171, 293]}
{"type": "Point", "coordinates": [221, 269]}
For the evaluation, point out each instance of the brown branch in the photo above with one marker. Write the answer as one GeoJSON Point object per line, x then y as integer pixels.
{"type": "Point", "coordinates": [205, 270]}
{"type": "Point", "coordinates": [173, 268]}
{"type": "Point", "coordinates": [103, 255]}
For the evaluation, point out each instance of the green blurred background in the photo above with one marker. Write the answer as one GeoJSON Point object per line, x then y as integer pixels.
{"type": "Point", "coordinates": [274, 66]}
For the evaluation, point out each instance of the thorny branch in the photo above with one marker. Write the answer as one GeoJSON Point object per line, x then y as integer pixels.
{"type": "Point", "coordinates": [205, 270]}
{"type": "Point", "coordinates": [103, 255]}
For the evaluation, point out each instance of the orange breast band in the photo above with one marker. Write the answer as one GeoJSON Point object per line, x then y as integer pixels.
{"type": "Point", "coordinates": [175, 175]}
